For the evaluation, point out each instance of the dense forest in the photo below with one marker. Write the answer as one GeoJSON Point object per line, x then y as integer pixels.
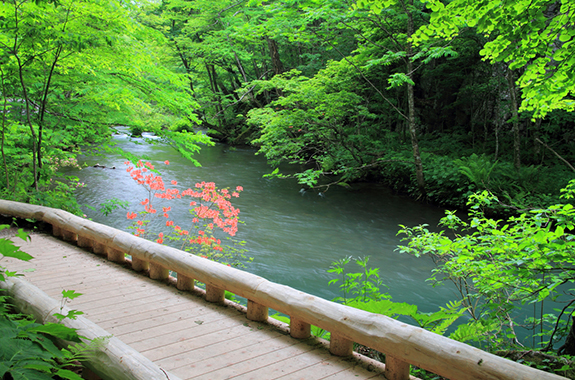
{"type": "Point", "coordinates": [448, 101]}
{"type": "Point", "coordinates": [389, 91]}
{"type": "Point", "coordinates": [366, 90]}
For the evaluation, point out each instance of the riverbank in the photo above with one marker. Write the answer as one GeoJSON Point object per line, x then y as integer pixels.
{"type": "Point", "coordinates": [450, 181]}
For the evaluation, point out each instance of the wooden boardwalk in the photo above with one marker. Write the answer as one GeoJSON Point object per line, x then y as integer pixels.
{"type": "Point", "coordinates": [179, 331]}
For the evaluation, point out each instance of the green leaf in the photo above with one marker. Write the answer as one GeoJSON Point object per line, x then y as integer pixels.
{"type": "Point", "coordinates": [23, 235]}
{"type": "Point", "coordinates": [67, 374]}
{"type": "Point", "coordinates": [58, 331]}
{"type": "Point", "coordinates": [70, 294]}
{"type": "Point", "coordinates": [9, 249]}
{"type": "Point", "coordinates": [398, 80]}
{"type": "Point", "coordinates": [274, 173]}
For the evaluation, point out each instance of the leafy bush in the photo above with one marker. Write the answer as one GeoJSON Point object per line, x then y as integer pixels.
{"type": "Point", "coordinates": [362, 290]}
{"type": "Point", "coordinates": [500, 267]}
{"type": "Point", "coordinates": [445, 184]}
{"type": "Point", "coordinates": [182, 125]}
{"type": "Point", "coordinates": [27, 350]}
{"type": "Point", "coordinates": [59, 195]}
{"type": "Point", "coordinates": [530, 186]}
{"type": "Point", "coordinates": [137, 130]}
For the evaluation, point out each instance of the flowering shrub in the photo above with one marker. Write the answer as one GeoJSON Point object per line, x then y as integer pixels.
{"type": "Point", "coordinates": [211, 214]}
{"type": "Point", "coordinates": [55, 162]}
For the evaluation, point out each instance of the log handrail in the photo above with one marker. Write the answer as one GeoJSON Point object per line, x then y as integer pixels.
{"type": "Point", "coordinates": [404, 344]}
{"type": "Point", "coordinates": [110, 359]}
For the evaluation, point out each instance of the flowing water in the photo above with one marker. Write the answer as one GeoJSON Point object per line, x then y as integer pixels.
{"type": "Point", "coordinates": [293, 236]}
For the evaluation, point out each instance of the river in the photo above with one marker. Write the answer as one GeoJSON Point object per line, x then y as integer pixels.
{"type": "Point", "coordinates": [293, 236]}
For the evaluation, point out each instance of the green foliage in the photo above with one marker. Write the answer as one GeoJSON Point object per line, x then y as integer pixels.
{"type": "Point", "coordinates": [521, 189]}
{"type": "Point", "coordinates": [450, 182]}
{"type": "Point", "coordinates": [398, 80]}
{"type": "Point", "coordinates": [360, 286]}
{"type": "Point", "coordinates": [86, 78]}
{"type": "Point", "coordinates": [437, 322]}
{"type": "Point", "coordinates": [9, 249]}
{"type": "Point", "coordinates": [27, 349]}
{"type": "Point", "coordinates": [23, 354]}
{"type": "Point", "coordinates": [501, 267]}
{"type": "Point", "coordinates": [187, 143]}
{"type": "Point", "coordinates": [109, 206]}
{"type": "Point", "coordinates": [137, 130]}
{"type": "Point", "coordinates": [534, 35]}
{"type": "Point", "coordinates": [477, 169]}
{"type": "Point", "coordinates": [362, 290]}
{"type": "Point", "coordinates": [71, 314]}
{"type": "Point", "coordinates": [336, 73]}
{"type": "Point", "coordinates": [319, 121]}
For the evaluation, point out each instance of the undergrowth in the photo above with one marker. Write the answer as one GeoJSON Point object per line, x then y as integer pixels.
{"type": "Point", "coordinates": [27, 348]}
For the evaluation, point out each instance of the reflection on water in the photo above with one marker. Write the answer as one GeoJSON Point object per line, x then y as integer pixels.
{"type": "Point", "coordinates": [293, 235]}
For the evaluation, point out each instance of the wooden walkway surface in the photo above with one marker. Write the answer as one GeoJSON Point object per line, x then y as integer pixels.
{"type": "Point", "coordinates": [178, 331]}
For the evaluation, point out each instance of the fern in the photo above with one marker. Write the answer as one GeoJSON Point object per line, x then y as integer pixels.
{"type": "Point", "coordinates": [477, 169]}
{"type": "Point", "coordinates": [473, 331]}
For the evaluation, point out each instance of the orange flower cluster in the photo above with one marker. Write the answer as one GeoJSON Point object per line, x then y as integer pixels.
{"type": "Point", "coordinates": [211, 206]}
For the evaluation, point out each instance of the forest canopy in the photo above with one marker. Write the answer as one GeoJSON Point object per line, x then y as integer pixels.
{"type": "Point", "coordinates": [435, 99]}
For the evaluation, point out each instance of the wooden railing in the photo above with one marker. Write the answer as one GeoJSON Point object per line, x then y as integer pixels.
{"type": "Point", "coordinates": [403, 344]}
{"type": "Point", "coordinates": [109, 358]}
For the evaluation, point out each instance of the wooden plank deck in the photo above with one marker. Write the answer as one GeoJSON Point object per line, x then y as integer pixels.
{"type": "Point", "coordinates": [179, 331]}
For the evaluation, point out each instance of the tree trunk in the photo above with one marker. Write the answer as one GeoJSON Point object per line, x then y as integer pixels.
{"type": "Point", "coordinates": [536, 145]}
{"type": "Point", "coordinates": [32, 132]}
{"type": "Point", "coordinates": [265, 76]}
{"type": "Point", "coordinates": [240, 67]}
{"type": "Point", "coordinates": [4, 109]}
{"type": "Point", "coordinates": [216, 89]}
{"type": "Point", "coordinates": [45, 102]}
{"type": "Point", "coordinates": [275, 56]}
{"type": "Point", "coordinates": [499, 117]}
{"type": "Point", "coordinates": [414, 142]}
{"type": "Point", "coordinates": [568, 348]}
{"type": "Point", "coordinates": [27, 103]}
{"type": "Point", "coordinates": [515, 116]}
{"type": "Point", "coordinates": [485, 130]}
{"type": "Point", "coordinates": [411, 105]}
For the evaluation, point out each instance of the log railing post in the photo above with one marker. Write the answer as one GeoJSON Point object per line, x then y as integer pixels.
{"type": "Point", "coordinates": [84, 242]}
{"type": "Point", "coordinates": [56, 230]}
{"type": "Point", "coordinates": [340, 346]}
{"type": "Point", "coordinates": [396, 369]}
{"type": "Point", "coordinates": [99, 248]}
{"type": "Point", "coordinates": [215, 294]}
{"type": "Point", "coordinates": [115, 255]}
{"type": "Point", "coordinates": [139, 265]}
{"type": "Point", "coordinates": [257, 312]}
{"type": "Point", "coordinates": [184, 282]}
{"type": "Point", "coordinates": [299, 329]}
{"type": "Point", "coordinates": [69, 236]}
{"type": "Point", "coordinates": [158, 272]}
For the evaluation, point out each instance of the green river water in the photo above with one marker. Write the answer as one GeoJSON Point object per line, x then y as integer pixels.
{"type": "Point", "coordinates": [293, 236]}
